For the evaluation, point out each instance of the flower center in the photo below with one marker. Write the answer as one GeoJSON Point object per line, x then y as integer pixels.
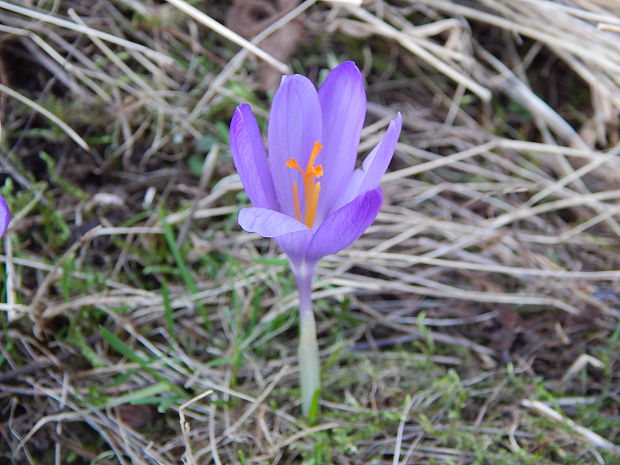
{"type": "Point", "coordinates": [311, 187]}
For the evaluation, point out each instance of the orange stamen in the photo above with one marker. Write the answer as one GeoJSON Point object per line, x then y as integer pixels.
{"type": "Point", "coordinates": [311, 212]}
{"type": "Point", "coordinates": [311, 187]}
{"type": "Point", "coordinates": [316, 148]}
{"type": "Point", "coordinates": [297, 212]}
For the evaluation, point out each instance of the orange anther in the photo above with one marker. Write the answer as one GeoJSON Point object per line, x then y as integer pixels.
{"type": "Point", "coordinates": [292, 163]}
{"type": "Point", "coordinates": [316, 148]}
{"type": "Point", "coordinates": [317, 171]}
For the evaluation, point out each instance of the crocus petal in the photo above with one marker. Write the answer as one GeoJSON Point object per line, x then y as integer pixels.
{"type": "Point", "coordinates": [374, 165]}
{"type": "Point", "coordinates": [342, 227]}
{"type": "Point", "coordinates": [295, 245]}
{"type": "Point", "coordinates": [343, 107]}
{"type": "Point", "coordinates": [250, 158]}
{"type": "Point", "coordinates": [294, 126]}
{"type": "Point", "coordinates": [5, 216]}
{"type": "Point", "coordinates": [268, 223]}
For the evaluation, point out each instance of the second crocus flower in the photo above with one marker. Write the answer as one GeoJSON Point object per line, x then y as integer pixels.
{"type": "Point", "coordinates": [5, 216]}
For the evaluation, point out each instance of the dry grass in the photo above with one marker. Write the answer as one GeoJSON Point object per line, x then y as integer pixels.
{"type": "Point", "coordinates": [477, 321]}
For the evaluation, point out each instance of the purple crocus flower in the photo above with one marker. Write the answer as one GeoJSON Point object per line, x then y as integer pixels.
{"type": "Point", "coordinates": [308, 195]}
{"type": "Point", "coordinates": [5, 216]}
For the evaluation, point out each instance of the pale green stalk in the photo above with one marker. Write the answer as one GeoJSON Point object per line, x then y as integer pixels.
{"type": "Point", "coordinates": [308, 352]}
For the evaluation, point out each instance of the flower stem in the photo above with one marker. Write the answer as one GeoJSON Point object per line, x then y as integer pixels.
{"type": "Point", "coordinates": [308, 352]}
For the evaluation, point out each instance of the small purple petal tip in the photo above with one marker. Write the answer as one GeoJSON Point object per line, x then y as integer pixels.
{"type": "Point", "coordinates": [5, 216]}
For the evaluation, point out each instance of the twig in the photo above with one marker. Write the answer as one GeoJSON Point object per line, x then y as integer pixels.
{"type": "Point", "coordinates": [587, 434]}
{"type": "Point", "coordinates": [185, 428]}
{"type": "Point", "coordinates": [201, 17]}
{"type": "Point", "coordinates": [48, 114]}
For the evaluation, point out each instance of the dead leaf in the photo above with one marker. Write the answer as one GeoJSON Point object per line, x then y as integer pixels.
{"type": "Point", "coordinates": [249, 17]}
{"type": "Point", "coordinates": [137, 416]}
